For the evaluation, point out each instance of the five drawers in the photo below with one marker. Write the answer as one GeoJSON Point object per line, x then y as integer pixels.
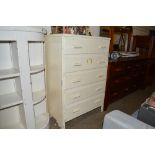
{"type": "Point", "coordinates": [76, 45]}
{"type": "Point", "coordinates": [84, 61]}
{"type": "Point", "coordinates": [84, 72]}
{"type": "Point", "coordinates": [77, 94]}
{"type": "Point", "coordinates": [80, 78]}
{"type": "Point", "coordinates": [82, 107]}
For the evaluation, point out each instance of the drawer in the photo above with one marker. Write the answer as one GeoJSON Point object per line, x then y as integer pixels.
{"type": "Point", "coordinates": [117, 84]}
{"type": "Point", "coordinates": [76, 94]}
{"type": "Point", "coordinates": [80, 78]}
{"type": "Point", "coordinates": [85, 45]}
{"type": "Point", "coordinates": [117, 70]}
{"type": "Point", "coordinates": [84, 61]}
{"type": "Point", "coordinates": [82, 107]}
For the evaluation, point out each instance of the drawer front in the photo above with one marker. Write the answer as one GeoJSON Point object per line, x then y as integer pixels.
{"type": "Point", "coordinates": [80, 78]}
{"type": "Point", "coordinates": [74, 95]}
{"type": "Point", "coordinates": [117, 70]}
{"type": "Point", "coordinates": [117, 84]}
{"type": "Point", "coordinates": [85, 45]}
{"type": "Point", "coordinates": [84, 61]}
{"type": "Point", "coordinates": [82, 107]}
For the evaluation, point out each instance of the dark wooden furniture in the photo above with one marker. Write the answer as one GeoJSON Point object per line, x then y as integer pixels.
{"type": "Point", "coordinates": [126, 75]}
{"type": "Point", "coordinates": [146, 47]}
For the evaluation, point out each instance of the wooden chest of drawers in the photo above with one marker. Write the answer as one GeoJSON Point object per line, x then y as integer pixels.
{"type": "Point", "coordinates": [124, 77]}
{"type": "Point", "coordinates": [76, 75]}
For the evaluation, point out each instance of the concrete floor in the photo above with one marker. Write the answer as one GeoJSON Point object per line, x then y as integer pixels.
{"type": "Point", "coordinates": [94, 119]}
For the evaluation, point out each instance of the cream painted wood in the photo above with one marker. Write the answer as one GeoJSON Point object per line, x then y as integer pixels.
{"type": "Point", "coordinates": [76, 68]}
{"type": "Point", "coordinates": [82, 107]}
{"type": "Point", "coordinates": [21, 54]}
{"type": "Point", "coordinates": [85, 45]}
{"type": "Point", "coordinates": [79, 78]}
{"type": "Point", "coordinates": [73, 95]}
{"type": "Point", "coordinates": [54, 78]}
{"type": "Point", "coordinates": [84, 61]}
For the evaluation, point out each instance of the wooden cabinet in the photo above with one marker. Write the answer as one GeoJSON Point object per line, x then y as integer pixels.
{"type": "Point", "coordinates": [145, 45]}
{"type": "Point", "coordinates": [128, 74]}
{"type": "Point", "coordinates": [124, 77]}
{"type": "Point", "coordinates": [76, 74]}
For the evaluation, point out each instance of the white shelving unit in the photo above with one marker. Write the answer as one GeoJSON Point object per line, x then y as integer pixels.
{"type": "Point", "coordinates": [37, 70]}
{"type": "Point", "coordinates": [11, 102]}
{"type": "Point", "coordinates": [8, 59]}
{"type": "Point", "coordinates": [38, 90]}
{"type": "Point", "coordinates": [22, 78]}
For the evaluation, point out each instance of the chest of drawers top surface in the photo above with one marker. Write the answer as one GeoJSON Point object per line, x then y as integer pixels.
{"type": "Point", "coordinates": [77, 36]}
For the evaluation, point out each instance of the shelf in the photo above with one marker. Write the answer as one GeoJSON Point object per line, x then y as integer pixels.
{"type": "Point", "coordinates": [9, 100]}
{"type": "Point", "coordinates": [42, 121]}
{"type": "Point", "coordinates": [38, 96]}
{"type": "Point", "coordinates": [9, 73]}
{"type": "Point", "coordinates": [15, 126]}
{"type": "Point", "coordinates": [37, 69]}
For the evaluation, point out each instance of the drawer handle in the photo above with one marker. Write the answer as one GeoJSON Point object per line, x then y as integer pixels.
{"type": "Point", "coordinates": [76, 110]}
{"type": "Point", "coordinates": [77, 64]}
{"type": "Point", "coordinates": [76, 81]}
{"type": "Point", "coordinates": [101, 47]}
{"type": "Point", "coordinates": [100, 76]}
{"type": "Point", "coordinates": [76, 97]}
{"type": "Point", "coordinates": [118, 69]}
{"type": "Point", "coordinates": [98, 89]}
{"type": "Point", "coordinates": [77, 47]}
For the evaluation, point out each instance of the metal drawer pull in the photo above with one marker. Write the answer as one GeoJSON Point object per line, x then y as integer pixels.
{"type": "Point", "coordinates": [98, 89]}
{"type": "Point", "coordinates": [102, 47]}
{"type": "Point", "coordinates": [76, 97]}
{"type": "Point", "coordinates": [78, 64]}
{"type": "Point", "coordinates": [77, 47]}
{"type": "Point", "coordinates": [100, 76]}
{"type": "Point", "coordinates": [76, 110]}
{"type": "Point", "coordinates": [76, 81]}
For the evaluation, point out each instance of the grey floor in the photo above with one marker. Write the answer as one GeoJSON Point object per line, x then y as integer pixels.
{"type": "Point", "coordinates": [94, 119]}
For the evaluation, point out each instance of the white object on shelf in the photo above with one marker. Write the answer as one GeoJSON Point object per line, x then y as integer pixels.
{"type": "Point", "coordinates": [129, 54]}
{"type": "Point", "coordinates": [8, 100]}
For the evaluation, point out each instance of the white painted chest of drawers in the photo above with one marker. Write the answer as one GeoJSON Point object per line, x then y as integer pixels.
{"type": "Point", "coordinates": [76, 75]}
